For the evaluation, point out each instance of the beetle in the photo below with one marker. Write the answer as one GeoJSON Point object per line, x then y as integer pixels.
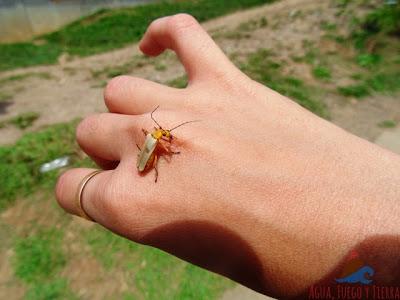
{"type": "Point", "coordinates": [148, 156]}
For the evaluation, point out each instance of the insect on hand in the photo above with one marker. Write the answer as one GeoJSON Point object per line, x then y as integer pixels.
{"type": "Point", "coordinates": [148, 155]}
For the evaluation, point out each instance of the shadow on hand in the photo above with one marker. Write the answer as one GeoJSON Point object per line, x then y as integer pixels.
{"type": "Point", "coordinates": [212, 247]}
{"type": "Point", "coordinates": [381, 253]}
{"type": "Point", "coordinates": [222, 251]}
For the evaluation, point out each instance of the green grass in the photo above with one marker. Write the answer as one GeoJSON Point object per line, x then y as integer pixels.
{"type": "Point", "coordinates": [39, 257]}
{"type": "Point", "coordinates": [179, 82]}
{"type": "Point", "coordinates": [110, 29]}
{"type": "Point", "coordinates": [107, 247]}
{"type": "Point", "coordinates": [21, 121]}
{"type": "Point", "coordinates": [384, 82]}
{"type": "Point", "coordinates": [379, 82]}
{"type": "Point", "coordinates": [253, 25]}
{"type": "Point", "coordinates": [158, 275]}
{"type": "Point", "coordinates": [20, 163]}
{"type": "Point", "coordinates": [328, 26]}
{"type": "Point", "coordinates": [367, 60]}
{"type": "Point", "coordinates": [160, 66]}
{"type": "Point", "coordinates": [262, 68]}
{"type": "Point", "coordinates": [27, 54]}
{"type": "Point", "coordinates": [38, 260]}
{"type": "Point", "coordinates": [355, 90]}
{"type": "Point", "coordinates": [322, 73]}
{"type": "Point", "coordinates": [19, 77]}
{"type": "Point", "coordinates": [24, 120]}
{"type": "Point", "coordinates": [243, 30]}
{"type": "Point", "coordinates": [5, 97]}
{"type": "Point", "coordinates": [56, 289]}
{"type": "Point", "coordinates": [116, 70]}
{"type": "Point", "coordinates": [199, 284]}
{"type": "Point", "coordinates": [387, 124]}
{"type": "Point", "coordinates": [376, 40]}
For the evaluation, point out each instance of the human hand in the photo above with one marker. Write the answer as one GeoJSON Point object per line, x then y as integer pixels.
{"type": "Point", "coordinates": [259, 189]}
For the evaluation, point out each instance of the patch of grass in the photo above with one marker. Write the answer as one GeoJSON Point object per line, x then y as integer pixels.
{"type": "Point", "coordinates": [19, 77]}
{"type": "Point", "coordinates": [356, 76]}
{"type": "Point", "coordinates": [53, 290]}
{"type": "Point", "coordinates": [27, 54]}
{"type": "Point", "coordinates": [355, 90]}
{"type": "Point", "coordinates": [24, 120]}
{"type": "Point", "coordinates": [198, 284]}
{"type": "Point", "coordinates": [100, 84]}
{"type": "Point", "coordinates": [179, 82]}
{"type": "Point", "coordinates": [158, 275]}
{"type": "Point", "coordinates": [335, 37]}
{"type": "Point", "coordinates": [110, 29]}
{"type": "Point", "coordinates": [234, 35]}
{"type": "Point", "coordinates": [367, 60]}
{"type": "Point", "coordinates": [381, 82]}
{"type": "Point", "coordinates": [160, 66]}
{"type": "Point", "coordinates": [112, 71]}
{"type": "Point", "coordinates": [384, 82]}
{"type": "Point", "coordinates": [310, 57]}
{"type": "Point", "coordinates": [322, 72]}
{"type": "Point", "coordinates": [20, 163]}
{"type": "Point", "coordinates": [122, 69]}
{"type": "Point", "coordinates": [328, 26]}
{"type": "Point", "coordinates": [387, 124]}
{"type": "Point", "coordinates": [158, 271]}
{"type": "Point", "coordinates": [108, 247]}
{"type": "Point", "coordinates": [253, 25]}
{"type": "Point", "coordinates": [39, 256]}
{"type": "Point", "coordinates": [21, 121]}
{"type": "Point", "coordinates": [383, 20]}
{"type": "Point", "coordinates": [262, 68]}
{"type": "Point", "coordinates": [4, 97]}
{"type": "Point", "coordinates": [297, 59]}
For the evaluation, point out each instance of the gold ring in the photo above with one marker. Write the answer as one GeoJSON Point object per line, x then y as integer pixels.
{"type": "Point", "coordinates": [81, 187]}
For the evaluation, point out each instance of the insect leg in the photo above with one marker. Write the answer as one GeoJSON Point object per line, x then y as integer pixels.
{"type": "Point", "coordinates": [145, 132]}
{"type": "Point", "coordinates": [168, 149]}
{"type": "Point", "coordinates": [138, 147]}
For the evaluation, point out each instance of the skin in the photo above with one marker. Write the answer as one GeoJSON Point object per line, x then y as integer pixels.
{"type": "Point", "coordinates": [263, 192]}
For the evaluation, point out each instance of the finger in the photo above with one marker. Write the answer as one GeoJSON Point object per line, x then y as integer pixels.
{"type": "Point", "coordinates": [132, 95]}
{"type": "Point", "coordinates": [92, 195]}
{"type": "Point", "coordinates": [108, 137]}
{"type": "Point", "coordinates": [104, 163]}
{"type": "Point", "coordinates": [195, 48]}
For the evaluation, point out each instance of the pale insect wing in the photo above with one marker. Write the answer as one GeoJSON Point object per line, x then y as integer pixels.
{"type": "Point", "coordinates": [148, 148]}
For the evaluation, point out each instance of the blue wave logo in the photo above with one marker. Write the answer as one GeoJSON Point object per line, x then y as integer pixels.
{"type": "Point", "coordinates": [358, 276]}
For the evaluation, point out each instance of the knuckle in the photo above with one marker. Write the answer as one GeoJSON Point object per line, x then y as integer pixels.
{"type": "Point", "coordinates": [86, 127]}
{"type": "Point", "coordinates": [113, 88]}
{"type": "Point", "coordinates": [230, 81]}
{"type": "Point", "coordinates": [182, 22]}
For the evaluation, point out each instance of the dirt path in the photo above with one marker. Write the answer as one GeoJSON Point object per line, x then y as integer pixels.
{"type": "Point", "coordinates": [73, 87]}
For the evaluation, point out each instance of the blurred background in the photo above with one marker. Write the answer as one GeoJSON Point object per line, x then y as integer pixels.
{"type": "Point", "coordinates": [338, 58]}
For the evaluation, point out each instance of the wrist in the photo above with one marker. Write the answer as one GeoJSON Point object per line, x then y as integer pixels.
{"type": "Point", "coordinates": [304, 233]}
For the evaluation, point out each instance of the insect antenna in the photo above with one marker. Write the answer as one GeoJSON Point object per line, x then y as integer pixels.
{"type": "Point", "coordinates": [151, 115]}
{"type": "Point", "coordinates": [184, 124]}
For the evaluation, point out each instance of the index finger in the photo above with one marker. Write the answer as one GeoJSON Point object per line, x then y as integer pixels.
{"type": "Point", "coordinates": [197, 51]}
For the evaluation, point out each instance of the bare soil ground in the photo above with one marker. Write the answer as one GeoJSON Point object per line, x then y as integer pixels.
{"type": "Point", "coordinates": [73, 87]}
